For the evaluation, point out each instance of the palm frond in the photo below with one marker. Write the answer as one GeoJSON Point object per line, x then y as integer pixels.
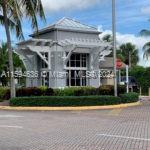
{"type": "Point", "coordinates": [33, 8]}
{"type": "Point", "coordinates": [147, 54]}
{"type": "Point", "coordinates": [146, 46]}
{"type": "Point", "coordinates": [145, 32]}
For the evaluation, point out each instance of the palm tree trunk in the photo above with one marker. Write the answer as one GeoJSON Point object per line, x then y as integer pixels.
{"type": "Point", "coordinates": [10, 53]}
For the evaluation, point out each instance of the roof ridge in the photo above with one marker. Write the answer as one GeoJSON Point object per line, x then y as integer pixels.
{"type": "Point", "coordinates": [72, 25]}
{"type": "Point", "coordinates": [74, 20]}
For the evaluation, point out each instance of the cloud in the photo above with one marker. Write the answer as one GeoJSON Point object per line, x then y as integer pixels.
{"type": "Point", "coordinates": [136, 40]}
{"type": "Point", "coordinates": [146, 10]}
{"type": "Point", "coordinates": [58, 5]}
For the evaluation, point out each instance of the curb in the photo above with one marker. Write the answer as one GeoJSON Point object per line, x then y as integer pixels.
{"type": "Point", "coordinates": [70, 108]}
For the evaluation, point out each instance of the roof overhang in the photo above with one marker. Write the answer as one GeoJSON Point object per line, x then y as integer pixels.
{"type": "Point", "coordinates": [66, 29]}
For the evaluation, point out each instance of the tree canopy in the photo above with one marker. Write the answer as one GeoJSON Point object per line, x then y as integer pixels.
{"type": "Point", "coordinates": [4, 65]}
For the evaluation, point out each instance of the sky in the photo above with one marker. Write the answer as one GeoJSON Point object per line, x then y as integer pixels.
{"type": "Point", "coordinates": [131, 17]}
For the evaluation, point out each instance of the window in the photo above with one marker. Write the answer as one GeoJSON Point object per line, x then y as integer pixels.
{"type": "Point", "coordinates": [45, 80]}
{"type": "Point", "coordinates": [78, 60]}
{"type": "Point", "coordinates": [77, 66]}
{"type": "Point", "coordinates": [76, 78]}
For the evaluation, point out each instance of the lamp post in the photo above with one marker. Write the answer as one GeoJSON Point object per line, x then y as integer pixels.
{"type": "Point", "coordinates": [114, 45]}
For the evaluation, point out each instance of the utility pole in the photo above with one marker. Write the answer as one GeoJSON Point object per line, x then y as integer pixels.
{"type": "Point", "coordinates": [127, 78]}
{"type": "Point", "coordinates": [114, 45]}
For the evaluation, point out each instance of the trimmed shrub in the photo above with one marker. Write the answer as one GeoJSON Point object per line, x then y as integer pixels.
{"type": "Point", "coordinates": [49, 92]}
{"type": "Point", "coordinates": [129, 97]}
{"type": "Point", "coordinates": [106, 90]}
{"type": "Point", "coordinates": [74, 100]}
{"type": "Point", "coordinates": [121, 89]}
{"type": "Point", "coordinates": [23, 92]}
{"type": "Point", "coordinates": [65, 101]}
{"type": "Point", "coordinates": [26, 92]}
{"type": "Point", "coordinates": [87, 91]}
{"type": "Point", "coordinates": [66, 91]}
{"type": "Point", "coordinates": [109, 90]}
{"type": "Point", "coordinates": [4, 93]}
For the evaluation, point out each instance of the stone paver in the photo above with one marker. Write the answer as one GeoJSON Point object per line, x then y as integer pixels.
{"type": "Point", "coordinates": [120, 129]}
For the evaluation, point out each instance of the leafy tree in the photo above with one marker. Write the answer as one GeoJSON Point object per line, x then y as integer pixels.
{"type": "Point", "coordinates": [4, 66]}
{"type": "Point", "coordinates": [11, 14]}
{"type": "Point", "coordinates": [128, 54]}
{"type": "Point", "coordinates": [142, 76]}
{"type": "Point", "coordinates": [107, 38]}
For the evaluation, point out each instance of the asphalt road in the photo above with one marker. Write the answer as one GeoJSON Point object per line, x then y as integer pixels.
{"type": "Point", "coordinates": [118, 129]}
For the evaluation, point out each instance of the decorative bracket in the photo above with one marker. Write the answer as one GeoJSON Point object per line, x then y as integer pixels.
{"type": "Point", "coordinates": [71, 50]}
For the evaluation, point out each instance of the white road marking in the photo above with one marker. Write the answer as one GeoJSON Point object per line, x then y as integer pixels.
{"type": "Point", "coordinates": [10, 116]}
{"type": "Point", "coordinates": [6, 126]}
{"type": "Point", "coordinates": [124, 137]}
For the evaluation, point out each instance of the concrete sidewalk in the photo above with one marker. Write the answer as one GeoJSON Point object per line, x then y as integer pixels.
{"type": "Point", "coordinates": [4, 103]}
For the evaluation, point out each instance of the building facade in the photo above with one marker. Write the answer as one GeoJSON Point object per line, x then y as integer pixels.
{"type": "Point", "coordinates": [67, 53]}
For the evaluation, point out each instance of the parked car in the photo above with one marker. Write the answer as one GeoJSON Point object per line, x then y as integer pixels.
{"type": "Point", "coordinates": [133, 85]}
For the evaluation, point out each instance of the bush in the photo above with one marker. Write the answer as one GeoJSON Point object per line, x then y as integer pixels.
{"type": "Point", "coordinates": [87, 91]}
{"type": "Point", "coordinates": [73, 100]}
{"type": "Point", "coordinates": [23, 92]}
{"type": "Point", "coordinates": [121, 89]}
{"type": "Point", "coordinates": [65, 101]}
{"type": "Point", "coordinates": [130, 97]}
{"type": "Point", "coordinates": [106, 90]}
{"type": "Point", "coordinates": [26, 92]}
{"type": "Point", "coordinates": [66, 91]}
{"type": "Point", "coordinates": [4, 93]}
{"type": "Point", "coordinates": [109, 90]}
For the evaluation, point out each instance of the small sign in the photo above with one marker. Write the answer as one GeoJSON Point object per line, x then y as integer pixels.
{"type": "Point", "coordinates": [119, 64]}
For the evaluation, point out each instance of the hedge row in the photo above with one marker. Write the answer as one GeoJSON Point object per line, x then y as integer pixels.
{"type": "Point", "coordinates": [74, 100]}
{"type": "Point", "coordinates": [26, 92]}
{"type": "Point", "coordinates": [4, 91]}
{"type": "Point", "coordinates": [88, 91]}
{"type": "Point", "coordinates": [71, 91]}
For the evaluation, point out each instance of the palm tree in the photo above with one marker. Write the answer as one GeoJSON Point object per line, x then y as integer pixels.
{"type": "Point", "coordinates": [128, 54]}
{"type": "Point", "coordinates": [145, 32]}
{"type": "Point", "coordinates": [17, 63]}
{"type": "Point", "coordinates": [12, 13]}
{"type": "Point", "coordinates": [146, 49]}
{"type": "Point", "coordinates": [4, 63]}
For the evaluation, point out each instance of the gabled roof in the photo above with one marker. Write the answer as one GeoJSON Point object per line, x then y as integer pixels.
{"type": "Point", "coordinates": [73, 24]}
{"type": "Point", "coordinates": [69, 24]}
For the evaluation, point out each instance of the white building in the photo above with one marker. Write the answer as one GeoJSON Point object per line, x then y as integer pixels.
{"type": "Point", "coordinates": [64, 50]}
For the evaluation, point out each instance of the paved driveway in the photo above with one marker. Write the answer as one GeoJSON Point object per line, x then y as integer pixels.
{"type": "Point", "coordinates": [120, 129]}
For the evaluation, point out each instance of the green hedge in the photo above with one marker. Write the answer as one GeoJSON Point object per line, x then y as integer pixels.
{"type": "Point", "coordinates": [88, 91]}
{"type": "Point", "coordinates": [76, 91]}
{"type": "Point", "coordinates": [71, 91]}
{"type": "Point", "coordinates": [4, 91]}
{"type": "Point", "coordinates": [73, 100]}
{"type": "Point", "coordinates": [26, 92]}
{"type": "Point", "coordinates": [127, 98]}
